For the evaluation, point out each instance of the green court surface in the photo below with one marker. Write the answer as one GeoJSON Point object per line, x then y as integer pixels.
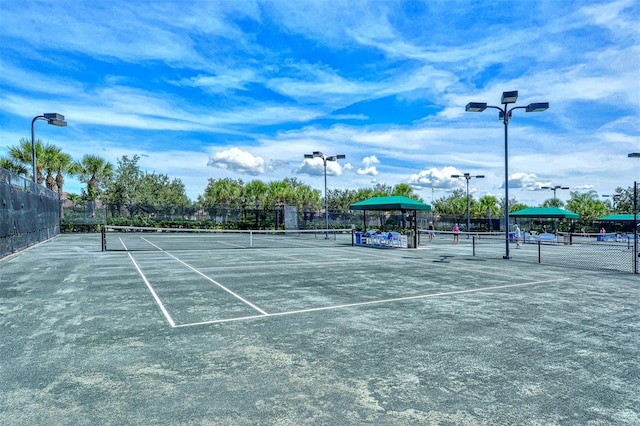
{"type": "Point", "coordinates": [334, 335]}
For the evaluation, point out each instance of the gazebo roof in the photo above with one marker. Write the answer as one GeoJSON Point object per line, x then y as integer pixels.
{"type": "Point", "coordinates": [545, 212]}
{"type": "Point", "coordinates": [618, 218]}
{"type": "Point", "coordinates": [396, 202]}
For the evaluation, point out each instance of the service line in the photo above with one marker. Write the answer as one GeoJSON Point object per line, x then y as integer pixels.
{"type": "Point", "coordinates": [375, 302]}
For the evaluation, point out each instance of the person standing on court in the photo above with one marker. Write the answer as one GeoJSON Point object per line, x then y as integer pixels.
{"type": "Point", "coordinates": [431, 231]}
{"type": "Point", "coordinates": [456, 231]}
{"type": "Point", "coordinates": [516, 236]}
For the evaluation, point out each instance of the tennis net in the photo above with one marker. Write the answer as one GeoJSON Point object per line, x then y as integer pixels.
{"type": "Point", "coordinates": [129, 238]}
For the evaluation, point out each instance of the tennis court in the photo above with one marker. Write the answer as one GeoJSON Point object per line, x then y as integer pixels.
{"type": "Point", "coordinates": [312, 332]}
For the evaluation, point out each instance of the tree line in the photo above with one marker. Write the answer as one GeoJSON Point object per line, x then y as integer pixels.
{"type": "Point", "coordinates": [126, 184]}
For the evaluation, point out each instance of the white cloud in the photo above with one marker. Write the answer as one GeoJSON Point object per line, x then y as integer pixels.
{"type": "Point", "coordinates": [435, 178]}
{"type": "Point", "coordinates": [369, 168]}
{"type": "Point", "coordinates": [315, 167]}
{"type": "Point", "coordinates": [239, 161]}
{"type": "Point", "coordinates": [527, 181]}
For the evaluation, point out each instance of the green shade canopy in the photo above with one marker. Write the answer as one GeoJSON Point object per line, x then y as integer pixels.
{"type": "Point", "coordinates": [396, 202]}
{"type": "Point", "coordinates": [618, 218]}
{"type": "Point", "coordinates": [546, 212]}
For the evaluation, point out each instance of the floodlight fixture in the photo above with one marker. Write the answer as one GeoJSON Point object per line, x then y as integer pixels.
{"type": "Point", "coordinates": [501, 115]}
{"type": "Point", "coordinates": [509, 97]}
{"type": "Point", "coordinates": [475, 106]}
{"type": "Point", "coordinates": [52, 118]}
{"type": "Point", "coordinates": [634, 155]}
{"type": "Point", "coordinates": [537, 107]}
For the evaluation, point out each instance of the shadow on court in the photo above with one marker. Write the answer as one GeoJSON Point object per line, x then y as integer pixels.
{"type": "Point", "coordinates": [335, 336]}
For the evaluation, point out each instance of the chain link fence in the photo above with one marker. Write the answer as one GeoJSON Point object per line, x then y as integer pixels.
{"type": "Point", "coordinates": [30, 213]}
{"type": "Point", "coordinates": [614, 252]}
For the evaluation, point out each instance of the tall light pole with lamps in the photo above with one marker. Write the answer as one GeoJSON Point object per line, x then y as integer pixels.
{"type": "Point", "coordinates": [52, 118]}
{"type": "Point", "coordinates": [468, 177]}
{"type": "Point", "coordinates": [554, 189]}
{"type": "Point", "coordinates": [505, 115]}
{"type": "Point", "coordinates": [635, 218]}
{"type": "Point", "coordinates": [325, 158]}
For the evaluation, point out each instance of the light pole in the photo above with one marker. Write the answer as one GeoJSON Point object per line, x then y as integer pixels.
{"type": "Point", "coordinates": [325, 158]}
{"type": "Point", "coordinates": [635, 218]}
{"type": "Point", "coordinates": [614, 199]}
{"type": "Point", "coordinates": [505, 116]}
{"type": "Point", "coordinates": [52, 118]}
{"type": "Point", "coordinates": [468, 177]}
{"type": "Point", "coordinates": [554, 189]}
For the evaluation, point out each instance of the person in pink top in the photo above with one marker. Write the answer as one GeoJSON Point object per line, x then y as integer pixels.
{"type": "Point", "coordinates": [456, 231]}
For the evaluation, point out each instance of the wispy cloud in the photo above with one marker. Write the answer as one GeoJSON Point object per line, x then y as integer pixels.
{"type": "Point", "coordinates": [250, 87]}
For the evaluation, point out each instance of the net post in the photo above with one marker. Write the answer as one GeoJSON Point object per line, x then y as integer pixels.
{"type": "Point", "coordinates": [250, 238]}
{"type": "Point", "coordinates": [473, 241]}
{"type": "Point", "coordinates": [353, 236]}
{"type": "Point", "coordinates": [103, 237]}
{"type": "Point", "coordinates": [539, 249]}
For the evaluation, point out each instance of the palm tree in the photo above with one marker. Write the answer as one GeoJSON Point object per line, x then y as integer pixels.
{"type": "Point", "coordinates": [48, 159]}
{"type": "Point", "coordinates": [21, 153]}
{"type": "Point", "coordinates": [62, 164]}
{"type": "Point", "coordinates": [95, 171]}
{"type": "Point", "coordinates": [255, 192]}
{"type": "Point", "coordinates": [14, 167]}
{"type": "Point", "coordinates": [223, 192]}
{"type": "Point", "coordinates": [278, 194]}
{"type": "Point", "coordinates": [587, 205]}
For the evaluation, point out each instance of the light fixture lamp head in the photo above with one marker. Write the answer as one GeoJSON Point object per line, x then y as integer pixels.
{"type": "Point", "coordinates": [53, 116]}
{"type": "Point", "coordinates": [59, 123]}
{"type": "Point", "coordinates": [317, 154]}
{"type": "Point", "coordinates": [509, 97]}
{"type": "Point", "coordinates": [501, 115]}
{"type": "Point", "coordinates": [54, 119]}
{"type": "Point", "coordinates": [475, 106]}
{"type": "Point", "coordinates": [309, 156]}
{"type": "Point", "coordinates": [634, 155]}
{"type": "Point", "coordinates": [537, 107]}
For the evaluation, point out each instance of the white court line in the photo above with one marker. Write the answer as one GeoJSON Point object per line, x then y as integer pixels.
{"type": "Point", "coordinates": [211, 280]}
{"type": "Point", "coordinates": [374, 302]}
{"type": "Point", "coordinates": [153, 292]}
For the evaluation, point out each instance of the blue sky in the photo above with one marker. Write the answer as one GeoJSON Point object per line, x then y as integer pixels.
{"type": "Point", "coordinates": [243, 89]}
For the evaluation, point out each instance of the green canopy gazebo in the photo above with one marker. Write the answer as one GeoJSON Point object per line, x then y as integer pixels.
{"type": "Point", "coordinates": [546, 213]}
{"type": "Point", "coordinates": [625, 217]}
{"type": "Point", "coordinates": [395, 202]}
